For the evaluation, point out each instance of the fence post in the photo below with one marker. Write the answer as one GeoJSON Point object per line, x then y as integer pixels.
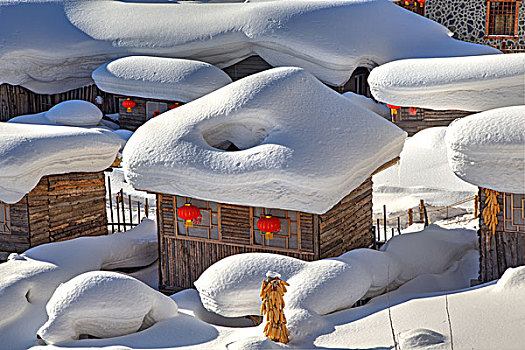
{"type": "Point", "coordinates": [398, 225]}
{"type": "Point", "coordinates": [426, 216]}
{"type": "Point", "coordinates": [130, 212]}
{"type": "Point", "coordinates": [384, 220]}
{"type": "Point", "coordinates": [111, 206]}
{"type": "Point", "coordinates": [421, 210]}
{"type": "Point", "coordinates": [146, 208]}
{"type": "Point", "coordinates": [374, 240]}
{"type": "Point", "coordinates": [410, 214]}
{"type": "Point", "coordinates": [378, 231]}
{"type": "Point", "coordinates": [118, 212]}
{"type": "Point", "coordinates": [123, 210]}
{"type": "Point", "coordinates": [138, 211]}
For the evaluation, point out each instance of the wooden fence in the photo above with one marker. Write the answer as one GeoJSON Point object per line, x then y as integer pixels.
{"type": "Point", "coordinates": [124, 212]}
{"type": "Point", "coordinates": [423, 215]}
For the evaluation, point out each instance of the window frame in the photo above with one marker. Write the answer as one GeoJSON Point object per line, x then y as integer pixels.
{"type": "Point", "coordinates": [514, 35]}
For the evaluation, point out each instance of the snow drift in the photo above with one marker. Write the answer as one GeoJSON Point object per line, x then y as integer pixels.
{"type": "Point", "coordinates": [231, 286]}
{"type": "Point", "coordinates": [159, 78]}
{"type": "Point", "coordinates": [466, 83]}
{"type": "Point", "coordinates": [103, 304]}
{"type": "Point", "coordinates": [328, 38]}
{"type": "Point", "coordinates": [300, 145]}
{"type": "Point", "coordinates": [488, 149]}
{"type": "Point", "coordinates": [29, 152]}
{"type": "Point", "coordinates": [28, 280]}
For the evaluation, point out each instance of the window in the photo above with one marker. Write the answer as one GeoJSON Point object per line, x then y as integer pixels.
{"type": "Point", "coordinates": [153, 109]}
{"type": "Point", "coordinates": [502, 18]}
{"type": "Point", "coordinates": [4, 219]}
{"type": "Point", "coordinates": [416, 6]}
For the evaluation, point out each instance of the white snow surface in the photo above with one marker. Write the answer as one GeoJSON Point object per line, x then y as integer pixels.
{"type": "Point", "coordinates": [28, 280]}
{"type": "Point", "coordinates": [303, 146]}
{"type": "Point", "coordinates": [159, 78]}
{"type": "Point", "coordinates": [231, 286]}
{"type": "Point", "coordinates": [329, 38]}
{"type": "Point", "coordinates": [67, 113]}
{"type": "Point", "coordinates": [29, 152]}
{"type": "Point", "coordinates": [103, 304]}
{"type": "Point", "coordinates": [488, 149]}
{"type": "Point", "coordinates": [422, 172]}
{"type": "Point", "coordinates": [475, 83]}
{"type": "Point", "coordinates": [368, 103]}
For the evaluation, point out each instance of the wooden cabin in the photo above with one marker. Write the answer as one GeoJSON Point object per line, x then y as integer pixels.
{"type": "Point", "coordinates": [226, 229]}
{"type": "Point", "coordinates": [413, 119]}
{"type": "Point", "coordinates": [503, 245]}
{"type": "Point", "coordinates": [143, 110]}
{"type": "Point", "coordinates": [60, 207]}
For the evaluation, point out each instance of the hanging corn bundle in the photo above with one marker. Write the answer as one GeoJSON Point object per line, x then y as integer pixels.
{"type": "Point", "coordinates": [272, 291]}
{"type": "Point", "coordinates": [491, 211]}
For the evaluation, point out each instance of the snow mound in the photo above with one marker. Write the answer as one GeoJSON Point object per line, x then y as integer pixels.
{"type": "Point", "coordinates": [75, 113]}
{"type": "Point", "coordinates": [125, 134]}
{"type": "Point", "coordinates": [420, 338]}
{"type": "Point", "coordinates": [159, 78]}
{"type": "Point", "coordinates": [466, 83]}
{"type": "Point", "coordinates": [87, 33]}
{"type": "Point", "coordinates": [424, 153]}
{"type": "Point", "coordinates": [231, 286]}
{"type": "Point", "coordinates": [29, 152]}
{"type": "Point", "coordinates": [28, 280]}
{"type": "Point", "coordinates": [488, 149]}
{"type": "Point", "coordinates": [103, 304]}
{"type": "Point", "coordinates": [368, 103]}
{"type": "Point", "coordinates": [296, 140]}
{"type": "Point", "coordinates": [512, 279]}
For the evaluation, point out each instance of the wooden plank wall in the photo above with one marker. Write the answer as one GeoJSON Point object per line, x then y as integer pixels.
{"type": "Point", "coordinates": [16, 100]}
{"type": "Point", "coordinates": [248, 66]}
{"type": "Point", "coordinates": [348, 225]}
{"type": "Point", "coordinates": [500, 251]}
{"type": "Point", "coordinates": [18, 239]}
{"type": "Point", "coordinates": [132, 120]}
{"type": "Point", "coordinates": [426, 118]}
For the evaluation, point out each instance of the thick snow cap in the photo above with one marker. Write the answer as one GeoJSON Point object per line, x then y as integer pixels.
{"type": "Point", "coordinates": [488, 149]}
{"type": "Point", "coordinates": [466, 83]}
{"type": "Point", "coordinates": [329, 38]}
{"type": "Point", "coordinates": [302, 145]}
{"type": "Point", "coordinates": [160, 78]}
{"type": "Point", "coordinates": [68, 113]}
{"type": "Point", "coordinates": [28, 152]}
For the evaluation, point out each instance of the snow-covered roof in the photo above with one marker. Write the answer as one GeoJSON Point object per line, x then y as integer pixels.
{"type": "Point", "coordinates": [54, 46]}
{"type": "Point", "coordinates": [488, 149]}
{"type": "Point", "coordinates": [302, 145]}
{"type": "Point", "coordinates": [28, 152]}
{"type": "Point", "coordinates": [160, 78]}
{"type": "Point", "coordinates": [466, 83]}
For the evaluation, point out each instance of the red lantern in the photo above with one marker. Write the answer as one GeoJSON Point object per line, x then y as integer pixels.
{"type": "Point", "coordinates": [128, 104]}
{"type": "Point", "coordinates": [412, 110]}
{"type": "Point", "coordinates": [156, 113]}
{"type": "Point", "coordinates": [269, 225]}
{"type": "Point", "coordinates": [392, 106]}
{"type": "Point", "coordinates": [188, 213]}
{"type": "Point", "coordinates": [421, 1]}
{"type": "Point", "coordinates": [175, 105]}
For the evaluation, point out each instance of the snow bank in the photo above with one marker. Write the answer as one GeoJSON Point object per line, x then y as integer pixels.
{"type": "Point", "coordinates": [466, 83]}
{"type": "Point", "coordinates": [231, 286]}
{"type": "Point", "coordinates": [488, 149]}
{"type": "Point", "coordinates": [104, 305]}
{"type": "Point", "coordinates": [422, 172]}
{"type": "Point", "coordinates": [29, 152]}
{"type": "Point", "coordinates": [159, 78]}
{"type": "Point", "coordinates": [28, 280]}
{"type": "Point", "coordinates": [302, 145]}
{"type": "Point", "coordinates": [328, 38]}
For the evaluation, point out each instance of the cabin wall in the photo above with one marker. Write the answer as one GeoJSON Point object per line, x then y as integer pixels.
{"type": "Point", "coordinates": [248, 66]}
{"type": "Point", "coordinates": [227, 229]}
{"type": "Point", "coordinates": [60, 207]}
{"type": "Point", "coordinates": [16, 100]}
{"type": "Point", "coordinates": [425, 118]}
{"type": "Point", "coordinates": [348, 225]}
{"type": "Point", "coordinates": [505, 248]}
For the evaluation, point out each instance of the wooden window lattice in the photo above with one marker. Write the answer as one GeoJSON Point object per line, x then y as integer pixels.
{"type": "Point", "coordinates": [414, 6]}
{"type": "Point", "coordinates": [4, 219]}
{"type": "Point", "coordinates": [513, 212]}
{"type": "Point", "coordinates": [502, 18]}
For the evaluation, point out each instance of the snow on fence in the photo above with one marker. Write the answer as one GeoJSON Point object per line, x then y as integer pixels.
{"type": "Point", "coordinates": [424, 214]}
{"type": "Point", "coordinates": [125, 212]}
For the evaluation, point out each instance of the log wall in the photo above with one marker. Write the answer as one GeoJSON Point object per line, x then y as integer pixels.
{"type": "Point", "coordinates": [60, 207]}
{"type": "Point", "coordinates": [228, 229]}
{"type": "Point", "coordinates": [248, 66]}
{"type": "Point", "coordinates": [138, 115]}
{"type": "Point", "coordinates": [505, 248]}
{"type": "Point", "coordinates": [16, 100]}
{"type": "Point", "coordinates": [425, 118]}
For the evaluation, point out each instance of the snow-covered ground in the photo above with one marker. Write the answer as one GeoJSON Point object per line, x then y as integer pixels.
{"type": "Point", "coordinates": [434, 308]}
